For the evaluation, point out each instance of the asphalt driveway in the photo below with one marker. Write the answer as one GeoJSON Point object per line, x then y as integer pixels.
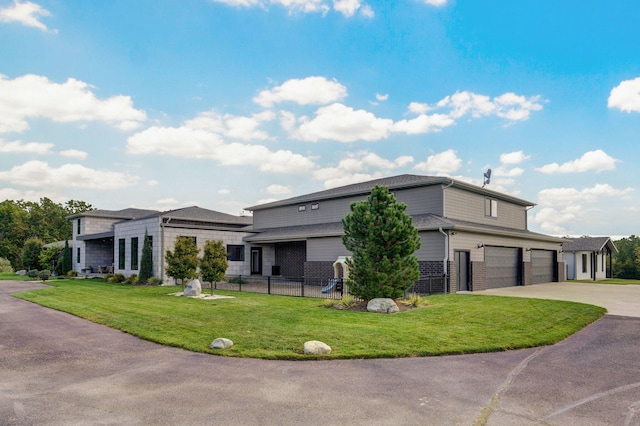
{"type": "Point", "coordinates": [57, 369]}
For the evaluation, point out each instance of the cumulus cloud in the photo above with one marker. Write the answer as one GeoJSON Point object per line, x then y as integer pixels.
{"type": "Point", "coordinates": [554, 221]}
{"type": "Point", "coordinates": [423, 124]}
{"type": "Point", "coordinates": [572, 196]}
{"type": "Point", "coordinates": [232, 126]}
{"type": "Point", "coordinates": [196, 140]}
{"type": "Point", "coordinates": [19, 147]}
{"type": "Point", "coordinates": [32, 96]}
{"type": "Point", "coordinates": [305, 91]}
{"type": "Point", "coordinates": [347, 8]}
{"type": "Point", "coordinates": [509, 106]}
{"type": "Point", "coordinates": [597, 160]}
{"type": "Point", "coordinates": [626, 96]}
{"type": "Point", "coordinates": [74, 153]}
{"type": "Point", "coordinates": [443, 163]}
{"type": "Point", "coordinates": [437, 3]}
{"type": "Point", "coordinates": [276, 189]}
{"type": "Point", "coordinates": [25, 13]}
{"type": "Point", "coordinates": [515, 157]}
{"type": "Point", "coordinates": [38, 174]}
{"type": "Point", "coordinates": [359, 167]}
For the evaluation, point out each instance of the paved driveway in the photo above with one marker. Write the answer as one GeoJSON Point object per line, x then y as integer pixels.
{"type": "Point", "coordinates": [57, 369]}
{"type": "Point", "coordinates": [618, 299]}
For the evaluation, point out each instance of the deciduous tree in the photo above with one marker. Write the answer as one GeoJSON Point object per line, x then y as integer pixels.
{"type": "Point", "coordinates": [213, 264]}
{"type": "Point", "coordinates": [182, 262]}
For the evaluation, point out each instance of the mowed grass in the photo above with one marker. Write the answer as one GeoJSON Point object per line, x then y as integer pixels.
{"type": "Point", "coordinates": [616, 281]}
{"type": "Point", "coordinates": [14, 277]}
{"type": "Point", "coordinates": [276, 327]}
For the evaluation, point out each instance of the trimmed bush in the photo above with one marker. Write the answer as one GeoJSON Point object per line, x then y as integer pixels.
{"type": "Point", "coordinates": [72, 273]}
{"type": "Point", "coordinates": [44, 274]}
{"type": "Point", "coordinates": [5, 265]}
{"type": "Point", "coordinates": [132, 279]}
{"type": "Point", "coordinates": [154, 281]}
{"type": "Point", "coordinates": [33, 273]}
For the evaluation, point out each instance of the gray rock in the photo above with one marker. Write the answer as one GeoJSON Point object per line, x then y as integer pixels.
{"type": "Point", "coordinates": [21, 272]}
{"type": "Point", "coordinates": [382, 306]}
{"type": "Point", "coordinates": [315, 347]}
{"type": "Point", "coordinates": [221, 343]}
{"type": "Point", "coordinates": [193, 288]}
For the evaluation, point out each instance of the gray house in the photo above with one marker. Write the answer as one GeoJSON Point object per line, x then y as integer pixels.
{"type": "Point", "coordinates": [589, 258]}
{"type": "Point", "coordinates": [475, 236]}
{"type": "Point", "coordinates": [106, 241]}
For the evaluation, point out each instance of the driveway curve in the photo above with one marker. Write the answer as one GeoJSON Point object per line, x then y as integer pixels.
{"type": "Point", "coordinates": [57, 369]}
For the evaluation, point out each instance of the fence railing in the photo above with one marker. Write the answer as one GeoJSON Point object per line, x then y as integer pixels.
{"type": "Point", "coordinates": [327, 288]}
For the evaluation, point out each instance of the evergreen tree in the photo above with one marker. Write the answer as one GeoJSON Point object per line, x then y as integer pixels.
{"type": "Point", "coordinates": [382, 240]}
{"type": "Point", "coordinates": [31, 253]}
{"type": "Point", "coordinates": [146, 263]}
{"type": "Point", "coordinates": [182, 262]}
{"type": "Point", "coordinates": [66, 258]}
{"type": "Point", "coordinates": [213, 264]}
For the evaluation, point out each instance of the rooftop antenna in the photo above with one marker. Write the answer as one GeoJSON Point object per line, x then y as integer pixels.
{"type": "Point", "coordinates": [487, 178]}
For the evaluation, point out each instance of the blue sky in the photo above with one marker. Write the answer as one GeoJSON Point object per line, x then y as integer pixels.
{"type": "Point", "coordinates": [229, 103]}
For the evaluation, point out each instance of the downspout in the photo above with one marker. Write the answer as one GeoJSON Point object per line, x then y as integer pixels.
{"type": "Point", "coordinates": [445, 261]}
{"type": "Point", "coordinates": [444, 200]}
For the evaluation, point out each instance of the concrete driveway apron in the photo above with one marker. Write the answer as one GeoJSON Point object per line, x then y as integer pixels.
{"type": "Point", "coordinates": [57, 369]}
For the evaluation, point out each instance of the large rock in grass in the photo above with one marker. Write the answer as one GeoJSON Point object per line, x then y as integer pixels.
{"type": "Point", "coordinates": [315, 347]}
{"type": "Point", "coordinates": [221, 343]}
{"type": "Point", "coordinates": [382, 306]}
{"type": "Point", "coordinates": [193, 288]}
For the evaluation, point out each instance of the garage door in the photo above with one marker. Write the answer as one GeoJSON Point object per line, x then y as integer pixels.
{"type": "Point", "coordinates": [543, 263]}
{"type": "Point", "coordinates": [503, 266]}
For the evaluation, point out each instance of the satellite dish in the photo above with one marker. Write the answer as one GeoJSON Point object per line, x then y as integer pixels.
{"type": "Point", "coordinates": [487, 178]}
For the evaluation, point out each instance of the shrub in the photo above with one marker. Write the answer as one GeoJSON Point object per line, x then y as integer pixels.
{"type": "Point", "coordinates": [31, 252]}
{"type": "Point", "coordinates": [44, 274]}
{"type": "Point", "coordinates": [328, 303]}
{"type": "Point", "coordinates": [33, 273]}
{"type": "Point", "coordinates": [132, 279]}
{"type": "Point", "coordinates": [72, 273]}
{"type": "Point", "coordinates": [154, 281]}
{"type": "Point", "coordinates": [415, 301]}
{"type": "Point", "coordinates": [5, 265]}
{"type": "Point", "coordinates": [236, 280]}
{"type": "Point", "coordinates": [114, 278]}
{"type": "Point", "coordinates": [347, 301]}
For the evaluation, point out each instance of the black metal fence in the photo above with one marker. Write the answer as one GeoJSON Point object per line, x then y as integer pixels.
{"type": "Point", "coordinates": [328, 288]}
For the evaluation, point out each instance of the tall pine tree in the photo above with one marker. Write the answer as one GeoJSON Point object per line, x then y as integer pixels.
{"type": "Point", "coordinates": [382, 240]}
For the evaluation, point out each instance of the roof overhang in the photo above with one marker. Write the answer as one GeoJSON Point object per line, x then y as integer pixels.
{"type": "Point", "coordinates": [99, 236]}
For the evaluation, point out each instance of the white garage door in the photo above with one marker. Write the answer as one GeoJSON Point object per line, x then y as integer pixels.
{"type": "Point", "coordinates": [543, 263]}
{"type": "Point", "coordinates": [503, 266]}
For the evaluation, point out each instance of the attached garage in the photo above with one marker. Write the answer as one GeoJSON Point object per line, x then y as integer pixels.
{"type": "Point", "coordinates": [543, 264]}
{"type": "Point", "coordinates": [503, 265]}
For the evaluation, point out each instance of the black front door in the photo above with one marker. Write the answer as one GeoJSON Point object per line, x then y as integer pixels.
{"type": "Point", "coordinates": [462, 262]}
{"type": "Point", "coordinates": [256, 260]}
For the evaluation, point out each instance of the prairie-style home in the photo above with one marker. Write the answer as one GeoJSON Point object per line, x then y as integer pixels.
{"type": "Point", "coordinates": [589, 258]}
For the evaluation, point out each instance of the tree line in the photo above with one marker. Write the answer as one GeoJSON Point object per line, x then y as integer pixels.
{"type": "Point", "coordinates": [38, 223]}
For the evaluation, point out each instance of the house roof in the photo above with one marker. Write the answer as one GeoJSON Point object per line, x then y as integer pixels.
{"type": "Point", "coordinates": [198, 214]}
{"type": "Point", "coordinates": [129, 213]}
{"type": "Point", "coordinates": [393, 182]}
{"type": "Point", "coordinates": [424, 222]}
{"type": "Point", "coordinates": [588, 244]}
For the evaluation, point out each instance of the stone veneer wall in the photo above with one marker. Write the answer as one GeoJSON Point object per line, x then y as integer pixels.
{"type": "Point", "coordinates": [527, 273]}
{"type": "Point", "coordinates": [478, 276]}
{"type": "Point", "coordinates": [562, 272]}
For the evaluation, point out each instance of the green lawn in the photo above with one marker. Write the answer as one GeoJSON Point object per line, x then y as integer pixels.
{"type": "Point", "coordinates": [275, 327]}
{"type": "Point", "coordinates": [14, 277]}
{"type": "Point", "coordinates": [616, 281]}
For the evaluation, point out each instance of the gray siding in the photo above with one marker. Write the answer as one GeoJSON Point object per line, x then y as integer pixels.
{"type": "Point", "coordinates": [325, 249]}
{"type": "Point", "coordinates": [432, 247]}
{"type": "Point", "coordinates": [464, 205]}
{"type": "Point", "coordinates": [421, 200]}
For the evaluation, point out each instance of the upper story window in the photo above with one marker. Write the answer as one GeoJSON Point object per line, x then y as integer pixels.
{"type": "Point", "coordinates": [490, 207]}
{"type": "Point", "coordinates": [302, 208]}
{"type": "Point", "coordinates": [315, 206]}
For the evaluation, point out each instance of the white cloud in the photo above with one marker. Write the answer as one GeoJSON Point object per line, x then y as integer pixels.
{"type": "Point", "coordinates": [19, 147]}
{"type": "Point", "coordinates": [597, 160]}
{"type": "Point", "coordinates": [277, 190]}
{"type": "Point", "coordinates": [198, 143]}
{"type": "Point", "coordinates": [343, 124]}
{"type": "Point", "coordinates": [554, 221]}
{"type": "Point", "coordinates": [515, 157]}
{"type": "Point", "coordinates": [232, 126]}
{"type": "Point", "coordinates": [626, 96]}
{"type": "Point", "coordinates": [437, 3]}
{"type": "Point", "coordinates": [40, 174]}
{"type": "Point", "coordinates": [74, 153]}
{"type": "Point", "coordinates": [306, 91]}
{"type": "Point", "coordinates": [359, 167]}
{"type": "Point", "coordinates": [16, 194]}
{"type": "Point", "coordinates": [445, 162]}
{"type": "Point", "coordinates": [381, 97]}
{"type": "Point", "coordinates": [423, 124]}
{"type": "Point", "coordinates": [26, 13]}
{"type": "Point", "coordinates": [572, 196]}
{"type": "Point", "coordinates": [32, 96]}
{"type": "Point", "coordinates": [224, 191]}
{"type": "Point", "coordinates": [346, 7]}
{"type": "Point", "coordinates": [508, 105]}
{"type": "Point", "coordinates": [418, 108]}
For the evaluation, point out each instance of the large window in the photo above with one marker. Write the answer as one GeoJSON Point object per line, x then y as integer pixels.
{"type": "Point", "coordinates": [490, 207]}
{"type": "Point", "coordinates": [584, 262]}
{"type": "Point", "coordinates": [121, 248]}
{"type": "Point", "coordinates": [134, 253]}
{"type": "Point", "coordinates": [235, 252]}
{"type": "Point", "coordinates": [77, 254]}
{"type": "Point", "coordinates": [78, 233]}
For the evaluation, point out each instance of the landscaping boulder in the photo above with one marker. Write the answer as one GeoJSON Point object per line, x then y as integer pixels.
{"type": "Point", "coordinates": [382, 306]}
{"type": "Point", "coordinates": [221, 343]}
{"type": "Point", "coordinates": [22, 272]}
{"type": "Point", "coordinates": [193, 288]}
{"type": "Point", "coordinates": [315, 347]}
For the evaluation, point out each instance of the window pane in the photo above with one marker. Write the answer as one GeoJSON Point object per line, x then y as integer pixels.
{"type": "Point", "coordinates": [121, 248]}
{"type": "Point", "coordinates": [134, 253]}
{"type": "Point", "coordinates": [235, 252]}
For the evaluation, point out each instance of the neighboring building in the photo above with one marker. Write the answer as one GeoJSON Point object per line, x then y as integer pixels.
{"type": "Point", "coordinates": [478, 237]}
{"type": "Point", "coordinates": [589, 258]}
{"type": "Point", "coordinates": [111, 241]}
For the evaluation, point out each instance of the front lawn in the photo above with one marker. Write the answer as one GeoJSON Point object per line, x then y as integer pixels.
{"type": "Point", "coordinates": [276, 327]}
{"type": "Point", "coordinates": [15, 277]}
{"type": "Point", "coordinates": [616, 281]}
